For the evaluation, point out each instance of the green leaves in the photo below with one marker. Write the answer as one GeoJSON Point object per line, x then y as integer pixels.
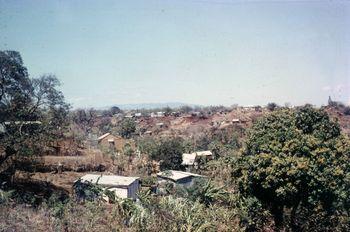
{"type": "Point", "coordinates": [128, 126]}
{"type": "Point", "coordinates": [32, 111]}
{"type": "Point", "coordinates": [169, 152]}
{"type": "Point", "coordinates": [295, 157]}
{"type": "Point", "coordinates": [205, 192]}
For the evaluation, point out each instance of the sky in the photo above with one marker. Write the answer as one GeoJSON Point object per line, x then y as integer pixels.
{"type": "Point", "coordinates": [206, 52]}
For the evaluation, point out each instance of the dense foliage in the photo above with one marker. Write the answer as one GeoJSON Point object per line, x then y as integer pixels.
{"type": "Point", "coordinates": [297, 164]}
{"type": "Point", "coordinates": [32, 111]}
{"type": "Point", "coordinates": [169, 152]}
{"type": "Point", "coordinates": [127, 128]}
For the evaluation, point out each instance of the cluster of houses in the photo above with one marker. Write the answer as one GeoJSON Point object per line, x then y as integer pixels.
{"type": "Point", "coordinates": [159, 114]}
{"type": "Point", "coordinates": [127, 187]}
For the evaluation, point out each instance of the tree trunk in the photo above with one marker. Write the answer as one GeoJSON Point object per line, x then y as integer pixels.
{"type": "Point", "coordinates": [277, 212]}
{"type": "Point", "coordinates": [293, 225]}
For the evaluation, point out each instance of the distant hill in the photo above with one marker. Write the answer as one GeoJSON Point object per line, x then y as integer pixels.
{"type": "Point", "coordinates": [153, 105]}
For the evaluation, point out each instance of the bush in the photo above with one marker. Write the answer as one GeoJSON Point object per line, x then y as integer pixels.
{"type": "Point", "coordinates": [205, 192]}
{"type": "Point", "coordinates": [87, 191]}
{"type": "Point", "coordinates": [5, 196]}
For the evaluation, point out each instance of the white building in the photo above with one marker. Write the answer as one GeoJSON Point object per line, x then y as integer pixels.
{"type": "Point", "coordinates": [157, 114]}
{"type": "Point", "coordinates": [160, 124]}
{"type": "Point", "coordinates": [235, 120]}
{"type": "Point", "coordinates": [177, 177]}
{"type": "Point", "coordinates": [122, 186]}
{"type": "Point", "coordinates": [189, 160]}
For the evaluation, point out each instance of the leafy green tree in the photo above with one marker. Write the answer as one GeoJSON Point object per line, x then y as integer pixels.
{"type": "Point", "coordinates": [272, 106]}
{"type": "Point", "coordinates": [127, 128]}
{"type": "Point", "coordinates": [115, 110]}
{"type": "Point", "coordinates": [32, 111]}
{"type": "Point", "coordinates": [169, 151]}
{"type": "Point", "coordinates": [297, 163]}
{"type": "Point", "coordinates": [147, 145]}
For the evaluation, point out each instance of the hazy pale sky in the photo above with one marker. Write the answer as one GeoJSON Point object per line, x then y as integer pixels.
{"type": "Point", "coordinates": [193, 51]}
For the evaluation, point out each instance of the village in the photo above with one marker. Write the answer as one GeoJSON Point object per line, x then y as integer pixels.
{"type": "Point", "coordinates": [175, 116]}
{"type": "Point", "coordinates": [121, 165]}
{"type": "Point", "coordinates": [119, 161]}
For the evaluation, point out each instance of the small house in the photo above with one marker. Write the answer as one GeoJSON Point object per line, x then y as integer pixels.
{"type": "Point", "coordinates": [235, 120]}
{"type": "Point", "coordinates": [160, 124]}
{"type": "Point", "coordinates": [122, 186]}
{"type": "Point", "coordinates": [148, 132]}
{"type": "Point", "coordinates": [185, 179]}
{"type": "Point", "coordinates": [188, 159]}
{"type": "Point", "coordinates": [115, 143]}
{"type": "Point", "coordinates": [191, 160]}
{"type": "Point", "coordinates": [160, 114]}
{"type": "Point", "coordinates": [107, 140]}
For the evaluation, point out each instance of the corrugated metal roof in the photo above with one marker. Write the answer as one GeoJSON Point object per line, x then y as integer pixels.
{"type": "Point", "coordinates": [176, 175]}
{"type": "Point", "coordinates": [108, 180]}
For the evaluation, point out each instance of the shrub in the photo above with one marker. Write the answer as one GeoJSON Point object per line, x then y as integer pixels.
{"type": "Point", "coordinates": [5, 196]}
{"type": "Point", "coordinates": [205, 192]}
{"type": "Point", "coordinates": [87, 191]}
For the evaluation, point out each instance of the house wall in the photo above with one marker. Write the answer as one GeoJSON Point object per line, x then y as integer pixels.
{"type": "Point", "coordinates": [186, 182]}
{"type": "Point", "coordinates": [133, 189]}
{"type": "Point", "coordinates": [127, 191]}
{"type": "Point", "coordinates": [119, 142]}
{"type": "Point", "coordinates": [120, 192]}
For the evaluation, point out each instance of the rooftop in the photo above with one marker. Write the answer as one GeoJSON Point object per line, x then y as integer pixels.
{"type": "Point", "coordinates": [108, 180]}
{"type": "Point", "coordinates": [103, 136]}
{"type": "Point", "coordinates": [176, 175]}
{"type": "Point", "coordinates": [203, 153]}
